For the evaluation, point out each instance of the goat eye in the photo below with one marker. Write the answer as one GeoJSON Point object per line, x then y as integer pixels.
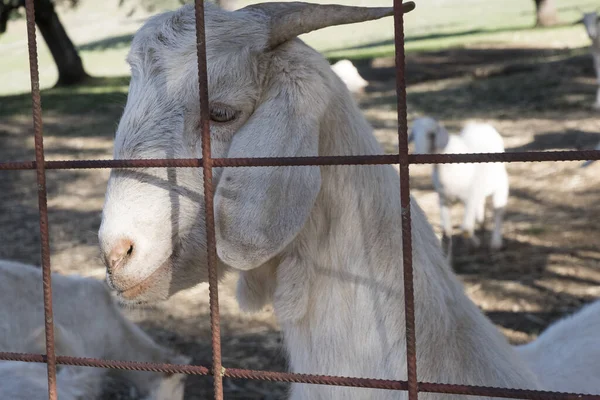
{"type": "Point", "coordinates": [222, 114]}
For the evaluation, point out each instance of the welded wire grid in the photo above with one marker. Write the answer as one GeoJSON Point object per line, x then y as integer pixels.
{"type": "Point", "coordinates": [207, 163]}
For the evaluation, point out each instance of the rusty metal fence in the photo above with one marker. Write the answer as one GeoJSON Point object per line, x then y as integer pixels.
{"type": "Point", "coordinates": [207, 163]}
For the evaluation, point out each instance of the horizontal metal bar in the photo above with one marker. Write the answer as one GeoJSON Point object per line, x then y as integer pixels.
{"type": "Point", "coordinates": [98, 164]}
{"type": "Point", "coordinates": [520, 156]}
{"type": "Point", "coordinates": [525, 156]}
{"type": "Point", "coordinates": [112, 364]}
{"type": "Point", "coordinates": [314, 379]}
{"type": "Point", "coordinates": [403, 385]}
{"type": "Point", "coordinates": [236, 373]}
{"type": "Point", "coordinates": [505, 393]}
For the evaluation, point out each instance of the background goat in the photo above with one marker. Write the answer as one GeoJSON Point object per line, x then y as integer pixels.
{"type": "Point", "coordinates": [88, 323]}
{"type": "Point", "coordinates": [471, 183]}
{"type": "Point", "coordinates": [29, 381]}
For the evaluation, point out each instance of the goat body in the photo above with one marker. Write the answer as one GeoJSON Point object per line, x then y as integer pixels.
{"type": "Point", "coordinates": [565, 356]}
{"type": "Point", "coordinates": [28, 381]}
{"type": "Point", "coordinates": [88, 323]}
{"type": "Point", "coordinates": [470, 183]}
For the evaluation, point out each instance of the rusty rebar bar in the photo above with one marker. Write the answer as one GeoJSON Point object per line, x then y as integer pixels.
{"type": "Point", "coordinates": [112, 364]}
{"type": "Point", "coordinates": [404, 163]}
{"type": "Point", "coordinates": [42, 198]}
{"type": "Point", "coordinates": [377, 159]}
{"type": "Point", "coordinates": [272, 376]}
{"type": "Point", "coordinates": [211, 248]}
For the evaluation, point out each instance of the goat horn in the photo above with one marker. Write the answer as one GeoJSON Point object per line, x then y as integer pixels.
{"type": "Point", "coordinates": [288, 20]}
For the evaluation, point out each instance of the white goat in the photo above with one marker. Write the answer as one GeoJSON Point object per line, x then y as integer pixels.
{"type": "Point", "coordinates": [350, 76]}
{"type": "Point", "coordinates": [321, 243]}
{"type": "Point", "coordinates": [591, 21]}
{"type": "Point", "coordinates": [470, 183]}
{"type": "Point", "coordinates": [564, 368]}
{"type": "Point", "coordinates": [28, 381]}
{"type": "Point", "coordinates": [87, 323]}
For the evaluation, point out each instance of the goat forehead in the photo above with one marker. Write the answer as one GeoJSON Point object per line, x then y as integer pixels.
{"type": "Point", "coordinates": [174, 32]}
{"type": "Point", "coordinates": [164, 50]}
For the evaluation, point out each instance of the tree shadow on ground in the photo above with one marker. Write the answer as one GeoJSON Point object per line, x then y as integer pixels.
{"type": "Point", "coordinates": [259, 351]}
{"type": "Point", "coordinates": [570, 139]}
{"type": "Point", "coordinates": [115, 42]}
{"type": "Point", "coordinates": [70, 118]}
{"type": "Point", "coordinates": [503, 97]}
{"type": "Point", "coordinates": [459, 62]}
{"type": "Point", "coordinates": [99, 96]}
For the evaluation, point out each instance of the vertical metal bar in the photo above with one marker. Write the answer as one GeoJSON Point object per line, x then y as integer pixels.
{"type": "Point", "coordinates": [409, 301]}
{"type": "Point", "coordinates": [208, 201]}
{"type": "Point", "coordinates": [42, 198]}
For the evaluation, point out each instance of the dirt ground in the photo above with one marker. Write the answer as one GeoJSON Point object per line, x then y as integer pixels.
{"type": "Point", "coordinates": [551, 263]}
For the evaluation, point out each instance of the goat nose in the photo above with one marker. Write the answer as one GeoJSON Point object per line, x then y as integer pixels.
{"type": "Point", "coordinates": [119, 254]}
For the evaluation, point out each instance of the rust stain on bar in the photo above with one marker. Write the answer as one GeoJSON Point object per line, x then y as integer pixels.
{"type": "Point", "coordinates": [42, 198]}
{"type": "Point", "coordinates": [207, 166]}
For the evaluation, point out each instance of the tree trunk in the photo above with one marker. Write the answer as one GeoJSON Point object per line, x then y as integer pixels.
{"type": "Point", "coordinates": [545, 13]}
{"type": "Point", "coordinates": [68, 62]}
{"type": "Point", "coordinates": [228, 5]}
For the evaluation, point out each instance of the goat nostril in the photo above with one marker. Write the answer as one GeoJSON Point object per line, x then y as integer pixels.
{"type": "Point", "coordinates": [119, 254]}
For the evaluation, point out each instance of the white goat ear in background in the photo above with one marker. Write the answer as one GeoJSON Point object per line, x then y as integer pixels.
{"type": "Point", "coordinates": [260, 210]}
{"type": "Point", "coordinates": [442, 136]}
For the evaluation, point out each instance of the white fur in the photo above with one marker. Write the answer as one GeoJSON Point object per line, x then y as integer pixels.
{"type": "Point", "coordinates": [350, 76]}
{"type": "Point", "coordinates": [556, 356]}
{"type": "Point", "coordinates": [469, 183]}
{"type": "Point", "coordinates": [88, 323]}
{"type": "Point", "coordinates": [322, 243]}
{"type": "Point", "coordinates": [28, 381]}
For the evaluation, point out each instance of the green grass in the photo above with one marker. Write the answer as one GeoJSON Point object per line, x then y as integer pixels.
{"type": "Point", "coordinates": [434, 25]}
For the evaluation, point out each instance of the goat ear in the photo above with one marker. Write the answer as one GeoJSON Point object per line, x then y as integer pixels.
{"type": "Point", "coordinates": [442, 136]}
{"type": "Point", "coordinates": [260, 210]}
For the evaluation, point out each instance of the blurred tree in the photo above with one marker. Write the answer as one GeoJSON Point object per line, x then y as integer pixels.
{"type": "Point", "coordinates": [64, 53]}
{"type": "Point", "coordinates": [546, 14]}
